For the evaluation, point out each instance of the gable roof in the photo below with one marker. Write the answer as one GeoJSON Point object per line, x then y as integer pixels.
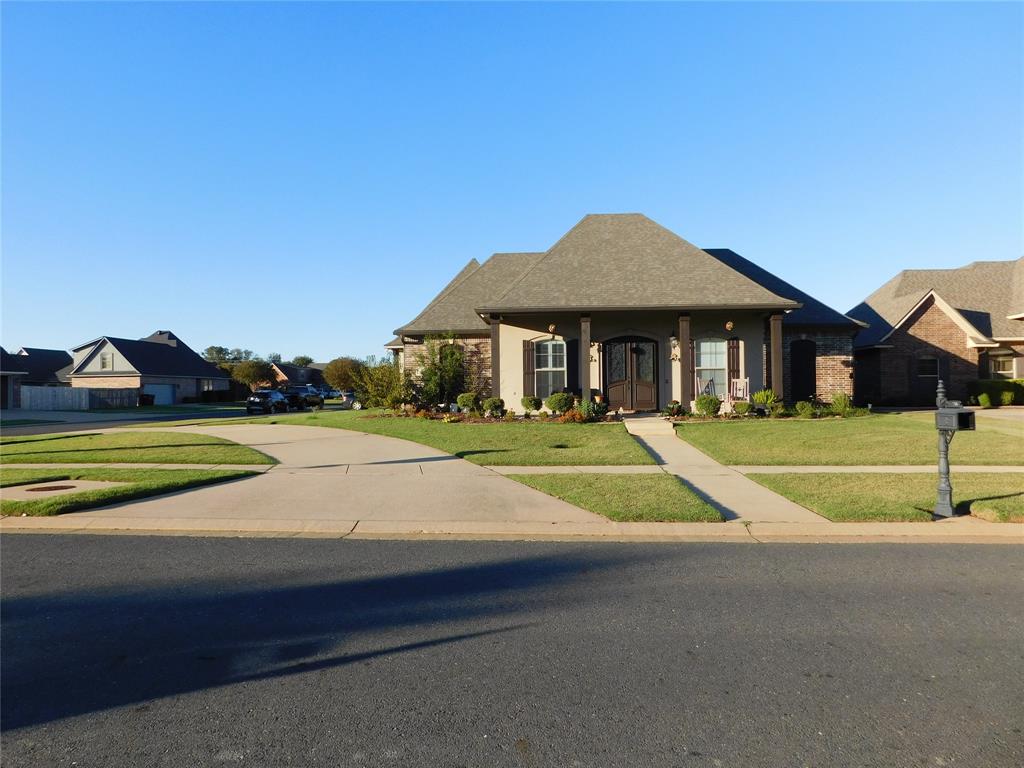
{"type": "Point", "coordinates": [10, 364]}
{"type": "Point", "coordinates": [454, 309]}
{"type": "Point", "coordinates": [300, 374]}
{"type": "Point", "coordinates": [627, 261]}
{"type": "Point", "coordinates": [813, 312]}
{"type": "Point", "coordinates": [49, 365]}
{"type": "Point", "coordinates": [159, 354]}
{"type": "Point", "coordinates": [985, 294]}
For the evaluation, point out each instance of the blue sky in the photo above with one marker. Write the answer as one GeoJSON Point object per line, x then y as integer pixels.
{"type": "Point", "coordinates": [303, 178]}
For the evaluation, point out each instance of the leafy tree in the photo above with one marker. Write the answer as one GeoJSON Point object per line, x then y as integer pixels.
{"type": "Point", "coordinates": [216, 354]}
{"type": "Point", "coordinates": [341, 372]}
{"type": "Point", "coordinates": [253, 373]}
{"type": "Point", "coordinates": [237, 355]}
{"type": "Point", "coordinates": [302, 360]}
{"type": "Point", "coordinates": [443, 372]}
{"type": "Point", "coordinates": [381, 384]}
{"type": "Point", "coordinates": [274, 357]}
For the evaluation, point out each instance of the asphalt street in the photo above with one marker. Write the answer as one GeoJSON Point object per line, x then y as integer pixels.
{"type": "Point", "coordinates": [177, 651]}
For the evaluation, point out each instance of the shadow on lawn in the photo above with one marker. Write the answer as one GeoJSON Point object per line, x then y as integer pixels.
{"type": "Point", "coordinates": [71, 653]}
{"type": "Point", "coordinates": [963, 507]}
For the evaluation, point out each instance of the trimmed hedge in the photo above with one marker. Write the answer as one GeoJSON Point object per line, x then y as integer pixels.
{"type": "Point", "coordinates": [999, 391]}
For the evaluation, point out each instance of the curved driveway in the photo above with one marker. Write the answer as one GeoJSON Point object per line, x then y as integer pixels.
{"type": "Point", "coordinates": [338, 475]}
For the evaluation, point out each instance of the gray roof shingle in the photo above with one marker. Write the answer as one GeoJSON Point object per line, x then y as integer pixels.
{"type": "Point", "coordinates": [162, 354]}
{"type": "Point", "coordinates": [984, 292]}
{"type": "Point", "coordinates": [50, 366]}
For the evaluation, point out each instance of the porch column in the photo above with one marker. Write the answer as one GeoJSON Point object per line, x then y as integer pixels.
{"type": "Point", "coordinates": [584, 357]}
{"type": "Point", "coordinates": [685, 371]}
{"type": "Point", "coordinates": [495, 355]}
{"type": "Point", "coordinates": [775, 336]}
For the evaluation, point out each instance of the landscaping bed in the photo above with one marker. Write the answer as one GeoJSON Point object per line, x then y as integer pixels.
{"type": "Point", "coordinates": [899, 497]}
{"type": "Point", "coordinates": [870, 440]}
{"type": "Point", "coordinates": [627, 498]}
{"type": "Point", "coordinates": [139, 483]}
{"type": "Point", "coordinates": [126, 448]}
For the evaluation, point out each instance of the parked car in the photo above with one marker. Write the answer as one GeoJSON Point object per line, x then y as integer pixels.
{"type": "Point", "coordinates": [266, 401]}
{"type": "Point", "coordinates": [304, 396]}
{"type": "Point", "coordinates": [349, 401]}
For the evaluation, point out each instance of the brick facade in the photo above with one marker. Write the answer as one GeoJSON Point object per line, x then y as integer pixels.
{"type": "Point", "coordinates": [106, 382]}
{"type": "Point", "coordinates": [833, 371]}
{"type": "Point", "coordinates": [477, 361]}
{"type": "Point", "coordinates": [891, 376]}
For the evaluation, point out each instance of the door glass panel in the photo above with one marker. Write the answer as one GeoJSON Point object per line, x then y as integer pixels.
{"type": "Point", "coordinates": [644, 361]}
{"type": "Point", "coordinates": [616, 362]}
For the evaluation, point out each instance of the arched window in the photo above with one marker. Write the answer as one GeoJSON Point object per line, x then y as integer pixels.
{"type": "Point", "coordinates": [549, 367]}
{"type": "Point", "coordinates": [709, 364]}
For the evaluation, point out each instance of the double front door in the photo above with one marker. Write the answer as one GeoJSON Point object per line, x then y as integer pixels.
{"type": "Point", "coordinates": [631, 373]}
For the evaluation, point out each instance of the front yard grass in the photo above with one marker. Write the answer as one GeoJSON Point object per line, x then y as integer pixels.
{"type": "Point", "coordinates": [530, 443]}
{"type": "Point", "coordinates": [896, 497]}
{"type": "Point", "coordinates": [627, 498]}
{"type": "Point", "coordinates": [141, 483]}
{"type": "Point", "coordinates": [126, 447]}
{"type": "Point", "coordinates": [869, 440]}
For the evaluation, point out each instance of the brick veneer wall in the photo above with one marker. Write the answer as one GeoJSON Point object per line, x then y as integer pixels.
{"type": "Point", "coordinates": [930, 331]}
{"type": "Point", "coordinates": [834, 360]}
{"type": "Point", "coordinates": [106, 382]}
{"type": "Point", "coordinates": [476, 361]}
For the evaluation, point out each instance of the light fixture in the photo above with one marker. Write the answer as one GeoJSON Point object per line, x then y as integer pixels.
{"type": "Point", "coordinates": [551, 329]}
{"type": "Point", "coordinates": [729, 325]}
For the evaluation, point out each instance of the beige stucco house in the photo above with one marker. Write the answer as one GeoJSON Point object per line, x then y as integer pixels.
{"type": "Point", "coordinates": [622, 307]}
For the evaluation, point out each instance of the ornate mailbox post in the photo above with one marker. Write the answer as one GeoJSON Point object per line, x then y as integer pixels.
{"type": "Point", "coordinates": [950, 418]}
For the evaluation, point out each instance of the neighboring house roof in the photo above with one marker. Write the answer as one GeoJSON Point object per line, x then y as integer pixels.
{"type": "Point", "coordinates": [11, 365]}
{"type": "Point", "coordinates": [813, 312]}
{"type": "Point", "coordinates": [300, 374]}
{"type": "Point", "coordinates": [627, 261]}
{"type": "Point", "coordinates": [983, 297]}
{"type": "Point", "coordinates": [454, 308]}
{"type": "Point", "coordinates": [159, 354]}
{"type": "Point", "coordinates": [50, 366]}
{"type": "Point", "coordinates": [395, 343]}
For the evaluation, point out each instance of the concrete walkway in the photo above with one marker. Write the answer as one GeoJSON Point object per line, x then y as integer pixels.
{"type": "Point", "coordinates": [735, 496]}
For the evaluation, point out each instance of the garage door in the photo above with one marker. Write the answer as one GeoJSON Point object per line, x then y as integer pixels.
{"type": "Point", "coordinates": [163, 394]}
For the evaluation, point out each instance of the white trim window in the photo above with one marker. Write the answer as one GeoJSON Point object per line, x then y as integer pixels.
{"type": "Point", "coordinates": [549, 367]}
{"type": "Point", "coordinates": [106, 361]}
{"type": "Point", "coordinates": [1000, 366]}
{"type": "Point", "coordinates": [709, 364]}
{"type": "Point", "coordinates": [928, 367]}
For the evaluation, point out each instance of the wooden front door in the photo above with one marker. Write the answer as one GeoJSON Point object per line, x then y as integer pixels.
{"type": "Point", "coordinates": [631, 374]}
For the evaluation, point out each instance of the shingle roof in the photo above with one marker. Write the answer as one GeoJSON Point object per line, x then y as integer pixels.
{"type": "Point", "coordinates": [454, 309]}
{"type": "Point", "coordinates": [628, 261]}
{"type": "Point", "coordinates": [162, 354]}
{"type": "Point", "coordinates": [301, 374]}
{"type": "Point", "coordinates": [45, 365]}
{"type": "Point", "coordinates": [10, 364]}
{"type": "Point", "coordinates": [395, 343]}
{"type": "Point", "coordinates": [813, 312]}
{"type": "Point", "coordinates": [983, 292]}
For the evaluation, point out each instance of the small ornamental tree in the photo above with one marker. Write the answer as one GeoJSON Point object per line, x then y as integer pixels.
{"type": "Point", "coordinates": [381, 384]}
{"type": "Point", "coordinates": [443, 375]}
{"type": "Point", "coordinates": [341, 373]}
{"type": "Point", "coordinates": [253, 373]}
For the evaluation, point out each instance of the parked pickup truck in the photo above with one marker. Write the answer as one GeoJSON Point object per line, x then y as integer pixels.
{"type": "Point", "coordinates": [302, 397]}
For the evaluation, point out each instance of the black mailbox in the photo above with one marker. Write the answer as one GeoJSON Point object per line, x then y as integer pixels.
{"type": "Point", "coordinates": [954, 419]}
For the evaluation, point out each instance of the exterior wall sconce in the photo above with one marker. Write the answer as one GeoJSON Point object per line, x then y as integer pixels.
{"type": "Point", "coordinates": [673, 342]}
{"type": "Point", "coordinates": [551, 329]}
{"type": "Point", "coordinates": [729, 325]}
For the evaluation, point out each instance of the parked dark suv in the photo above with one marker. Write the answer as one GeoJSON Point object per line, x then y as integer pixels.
{"type": "Point", "coordinates": [303, 396]}
{"type": "Point", "coordinates": [266, 401]}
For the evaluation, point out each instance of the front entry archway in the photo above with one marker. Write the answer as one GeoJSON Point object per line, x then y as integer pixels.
{"type": "Point", "coordinates": [631, 373]}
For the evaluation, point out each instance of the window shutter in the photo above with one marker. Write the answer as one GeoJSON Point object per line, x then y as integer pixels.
{"type": "Point", "coordinates": [733, 357]}
{"type": "Point", "coordinates": [572, 365]}
{"type": "Point", "coordinates": [528, 370]}
{"type": "Point", "coordinates": [693, 371]}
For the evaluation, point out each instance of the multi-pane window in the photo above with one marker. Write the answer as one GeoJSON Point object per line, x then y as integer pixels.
{"type": "Point", "coordinates": [206, 385]}
{"type": "Point", "coordinates": [928, 367]}
{"type": "Point", "coordinates": [709, 366]}
{"type": "Point", "coordinates": [549, 367]}
{"type": "Point", "coordinates": [1001, 367]}
{"type": "Point", "coordinates": [106, 360]}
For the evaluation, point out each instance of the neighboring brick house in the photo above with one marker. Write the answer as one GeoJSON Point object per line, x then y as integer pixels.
{"type": "Point", "coordinates": [12, 370]}
{"type": "Point", "coordinates": [623, 308]}
{"type": "Point", "coordinates": [958, 325]}
{"type": "Point", "coordinates": [288, 374]}
{"type": "Point", "coordinates": [161, 365]}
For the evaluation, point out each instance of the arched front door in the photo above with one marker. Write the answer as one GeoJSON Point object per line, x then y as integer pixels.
{"type": "Point", "coordinates": [631, 373]}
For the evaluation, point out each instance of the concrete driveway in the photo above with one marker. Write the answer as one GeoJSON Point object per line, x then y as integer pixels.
{"type": "Point", "coordinates": [338, 475]}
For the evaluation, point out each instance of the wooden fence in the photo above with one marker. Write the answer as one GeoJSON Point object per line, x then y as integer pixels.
{"type": "Point", "coordinates": [76, 398]}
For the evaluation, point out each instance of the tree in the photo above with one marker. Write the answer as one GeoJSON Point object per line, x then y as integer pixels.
{"type": "Point", "coordinates": [216, 354]}
{"type": "Point", "coordinates": [253, 373]}
{"type": "Point", "coordinates": [237, 355]}
{"type": "Point", "coordinates": [381, 384]}
{"type": "Point", "coordinates": [274, 357]}
{"type": "Point", "coordinates": [341, 373]}
{"type": "Point", "coordinates": [302, 360]}
{"type": "Point", "coordinates": [443, 375]}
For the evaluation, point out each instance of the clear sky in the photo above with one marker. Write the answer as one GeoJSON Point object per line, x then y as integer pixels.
{"type": "Point", "coordinates": [303, 178]}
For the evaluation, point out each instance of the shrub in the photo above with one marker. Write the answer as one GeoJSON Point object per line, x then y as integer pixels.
{"type": "Point", "coordinates": [673, 409]}
{"type": "Point", "coordinates": [468, 401]}
{"type": "Point", "coordinates": [804, 410]}
{"type": "Point", "coordinates": [381, 384]}
{"type": "Point", "coordinates": [590, 411]}
{"type": "Point", "coordinates": [494, 406]}
{"type": "Point", "coordinates": [765, 398]}
{"type": "Point", "coordinates": [1006, 397]}
{"type": "Point", "coordinates": [572, 416]}
{"type": "Point", "coordinates": [422, 414]}
{"type": "Point", "coordinates": [542, 416]}
{"type": "Point", "coordinates": [707, 405]}
{"type": "Point", "coordinates": [451, 418]}
{"type": "Point", "coordinates": [995, 389]}
{"type": "Point", "coordinates": [841, 403]}
{"type": "Point", "coordinates": [741, 408]}
{"type": "Point", "coordinates": [443, 373]}
{"type": "Point", "coordinates": [559, 402]}
{"type": "Point", "coordinates": [531, 403]}
{"type": "Point", "coordinates": [777, 410]}
{"type": "Point", "coordinates": [985, 400]}
{"type": "Point", "coordinates": [510, 415]}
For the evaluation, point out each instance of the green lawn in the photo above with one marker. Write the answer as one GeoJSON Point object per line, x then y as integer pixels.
{"type": "Point", "coordinates": [627, 498]}
{"type": "Point", "coordinates": [530, 443]}
{"type": "Point", "coordinates": [141, 483]}
{"type": "Point", "coordinates": [126, 447]}
{"type": "Point", "coordinates": [857, 497]}
{"type": "Point", "coordinates": [870, 440]}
